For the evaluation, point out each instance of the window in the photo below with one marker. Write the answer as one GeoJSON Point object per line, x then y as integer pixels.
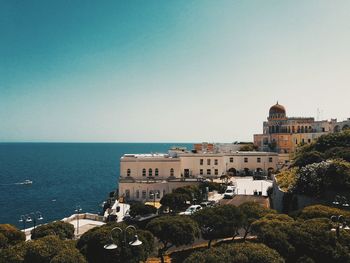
{"type": "Point", "coordinates": [201, 162]}
{"type": "Point", "coordinates": [208, 172]}
{"type": "Point", "coordinates": [144, 194]}
{"type": "Point", "coordinates": [208, 161]}
{"type": "Point", "coordinates": [216, 162]}
{"type": "Point", "coordinates": [270, 159]}
{"type": "Point", "coordinates": [151, 195]}
{"type": "Point", "coordinates": [258, 160]}
{"type": "Point", "coordinates": [137, 194]}
{"type": "Point", "coordinates": [157, 194]}
{"type": "Point", "coordinates": [216, 171]}
{"type": "Point", "coordinates": [127, 194]}
{"type": "Point", "coordinates": [156, 172]}
{"type": "Point", "coordinates": [308, 140]}
{"type": "Point", "coordinates": [231, 159]}
{"type": "Point", "coordinates": [128, 172]}
{"type": "Point", "coordinates": [172, 172]}
{"type": "Point", "coordinates": [245, 159]}
{"type": "Point", "coordinates": [143, 172]}
{"type": "Point", "coordinates": [150, 172]}
{"type": "Point", "coordinates": [201, 171]}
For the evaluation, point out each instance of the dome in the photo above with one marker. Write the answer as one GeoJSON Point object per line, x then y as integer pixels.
{"type": "Point", "coordinates": [277, 109]}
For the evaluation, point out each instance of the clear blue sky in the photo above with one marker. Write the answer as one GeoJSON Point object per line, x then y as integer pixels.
{"type": "Point", "coordinates": [154, 71]}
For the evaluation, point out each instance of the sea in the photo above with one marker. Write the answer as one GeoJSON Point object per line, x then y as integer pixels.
{"type": "Point", "coordinates": [64, 176]}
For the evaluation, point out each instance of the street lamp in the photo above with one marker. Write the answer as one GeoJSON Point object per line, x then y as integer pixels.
{"type": "Point", "coordinates": [77, 210]}
{"type": "Point", "coordinates": [340, 223]}
{"type": "Point", "coordinates": [31, 217]}
{"type": "Point", "coordinates": [341, 201]}
{"type": "Point", "coordinates": [112, 245]}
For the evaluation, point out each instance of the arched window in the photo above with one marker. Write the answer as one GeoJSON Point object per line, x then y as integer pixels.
{"type": "Point", "coordinates": [137, 194]}
{"type": "Point", "coordinates": [150, 172]}
{"type": "Point", "coordinates": [172, 172]}
{"type": "Point", "coordinates": [156, 172]}
{"type": "Point", "coordinates": [128, 172]}
{"type": "Point", "coordinates": [143, 172]}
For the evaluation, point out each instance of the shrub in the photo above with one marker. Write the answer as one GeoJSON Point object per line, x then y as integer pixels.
{"type": "Point", "coordinates": [59, 228]}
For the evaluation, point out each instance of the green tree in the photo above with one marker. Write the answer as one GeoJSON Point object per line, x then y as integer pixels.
{"type": "Point", "coordinates": [299, 240]}
{"type": "Point", "coordinates": [43, 250]}
{"type": "Point", "coordinates": [251, 212]}
{"type": "Point", "coordinates": [91, 245]}
{"type": "Point", "coordinates": [330, 146]}
{"type": "Point", "coordinates": [237, 253]}
{"type": "Point", "coordinates": [248, 147]}
{"type": "Point", "coordinates": [69, 256]}
{"type": "Point", "coordinates": [142, 209]}
{"type": "Point", "coordinates": [306, 158]}
{"type": "Point", "coordinates": [10, 235]}
{"type": "Point", "coordinates": [175, 201]}
{"type": "Point", "coordinates": [173, 231]}
{"type": "Point", "coordinates": [319, 178]}
{"type": "Point", "coordinates": [191, 191]}
{"type": "Point", "coordinates": [13, 254]}
{"type": "Point", "coordinates": [218, 222]}
{"type": "Point", "coordinates": [59, 228]}
{"type": "Point", "coordinates": [321, 211]}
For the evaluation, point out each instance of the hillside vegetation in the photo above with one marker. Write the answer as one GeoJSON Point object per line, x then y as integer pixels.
{"type": "Point", "coordinates": [321, 168]}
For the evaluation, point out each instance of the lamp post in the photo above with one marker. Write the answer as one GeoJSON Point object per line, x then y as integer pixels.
{"type": "Point", "coordinates": [341, 201]}
{"type": "Point", "coordinates": [340, 223]}
{"type": "Point", "coordinates": [112, 245]}
{"type": "Point", "coordinates": [31, 217]}
{"type": "Point", "coordinates": [77, 210]}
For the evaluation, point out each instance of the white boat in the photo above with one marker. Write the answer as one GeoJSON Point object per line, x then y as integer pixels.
{"type": "Point", "coordinates": [27, 182]}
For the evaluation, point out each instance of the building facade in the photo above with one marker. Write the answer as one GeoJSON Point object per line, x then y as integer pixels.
{"type": "Point", "coordinates": [284, 134]}
{"type": "Point", "coordinates": [148, 177]}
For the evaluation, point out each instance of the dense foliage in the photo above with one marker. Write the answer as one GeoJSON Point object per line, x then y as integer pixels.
{"type": "Point", "coordinates": [319, 178]}
{"type": "Point", "coordinates": [219, 222]}
{"type": "Point", "coordinates": [321, 169]}
{"type": "Point", "coordinates": [300, 240]}
{"type": "Point", "coordinates": [141, 209]}
{"type": "Point", "coordinates": [59, 228]}
{"type": "Point", "coordinates": [251, 212]}
{"type": "Point", "coordinates": [175, 201]}
{"type": "Point", "coordinates": [330, 146]}
{"type": "Point", "coordinates": [237, 253]}
{"type": "Point", "coordinates": [49, 249]}
{"type": "Point", "coordinates": [10, 235]}
{"type": "Point", "coordinates": [322, 211]}
{"type": "Point", "coordinates": [91, 245]}
{"type": "Point", "coordinates": [248, 147]}
{"type": "Point", "coordinates": [173, 231]}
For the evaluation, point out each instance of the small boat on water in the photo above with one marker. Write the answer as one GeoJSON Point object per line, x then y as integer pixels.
{"type": "Point", "coordinates": [27, 182]}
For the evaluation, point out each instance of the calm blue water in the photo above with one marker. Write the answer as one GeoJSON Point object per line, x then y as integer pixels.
{"type": "Point", "coordinates": [63, 175]}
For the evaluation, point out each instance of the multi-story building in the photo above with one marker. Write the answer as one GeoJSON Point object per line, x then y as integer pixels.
{"type": "Point", "coordinates": [284, 134]}
{"type": "Point", "coordinates": [146, 177]}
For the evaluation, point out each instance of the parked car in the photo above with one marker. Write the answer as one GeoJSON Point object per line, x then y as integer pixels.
{"type": "Point", "coordinates": [191, 210]}
{"type": "Point", "coordinates": [230, 192]}
{"type": "Point", "coordinates": [210, 203]}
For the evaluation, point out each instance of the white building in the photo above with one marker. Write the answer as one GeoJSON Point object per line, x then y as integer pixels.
{"type": "Point", "coordinates": [147, 177]}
